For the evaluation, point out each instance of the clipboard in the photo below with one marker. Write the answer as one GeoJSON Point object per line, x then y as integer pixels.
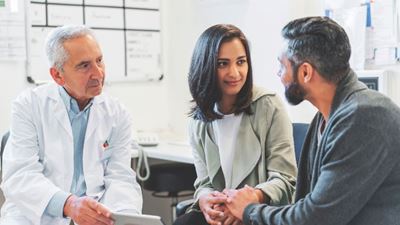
{"type": "Point", "coordinates": [136, 219]}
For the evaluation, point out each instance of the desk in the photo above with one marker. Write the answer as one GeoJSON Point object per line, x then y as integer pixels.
{"type": "Point", "coordinates": [168, 151]}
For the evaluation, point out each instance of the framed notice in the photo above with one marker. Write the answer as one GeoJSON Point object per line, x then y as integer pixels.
{"type": "Point", "coordinates": [128, 33]}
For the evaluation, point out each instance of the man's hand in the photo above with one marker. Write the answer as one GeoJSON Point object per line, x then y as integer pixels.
{"type": "Point", "coordinates": [228, 218]}
{"type": "Point", "coordinates": [87, 211]}
{"type": "Point", "coordinates": [239, 199]}
{"type": "Point", "coordinates": [207, 204]}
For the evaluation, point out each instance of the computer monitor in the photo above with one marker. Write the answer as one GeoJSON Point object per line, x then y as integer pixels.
{"type": "Point", "coordinates": [374, 79]}
{"type": "Point", "coordinates": [383, 81]}
{"type": "Point", "coordinates": [371, 82]}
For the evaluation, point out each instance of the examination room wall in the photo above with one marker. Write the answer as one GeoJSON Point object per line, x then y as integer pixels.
{"type": "Point", "coordinates": [163, 105]}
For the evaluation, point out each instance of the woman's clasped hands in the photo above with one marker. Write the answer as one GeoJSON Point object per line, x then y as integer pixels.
{"type": "Point", "coordinates": [226, 207]}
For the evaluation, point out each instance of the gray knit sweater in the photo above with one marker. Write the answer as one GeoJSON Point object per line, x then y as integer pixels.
{"type": "Point", "coordinates": [353, 176]}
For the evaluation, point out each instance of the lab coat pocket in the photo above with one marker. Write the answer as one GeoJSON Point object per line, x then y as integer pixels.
{"type": "Point", "coordinates": [106, 154]}
{"type": "Point", "coordinates": [104, 159]}
{"type": "Point", "coordinates": [104, 150]}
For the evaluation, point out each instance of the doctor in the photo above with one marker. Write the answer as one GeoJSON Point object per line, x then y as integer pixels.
{"type": "Point", "coordinates": [68, 155]}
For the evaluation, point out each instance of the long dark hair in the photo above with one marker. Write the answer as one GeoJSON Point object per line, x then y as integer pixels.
{"type": "Point", "coordinates": [203, 82]}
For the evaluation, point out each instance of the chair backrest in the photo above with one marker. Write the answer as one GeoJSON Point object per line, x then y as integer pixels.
{"type": "Point", "coordinates": [3, 145]}
{"type": "Point", "coordinates": [299, 134]}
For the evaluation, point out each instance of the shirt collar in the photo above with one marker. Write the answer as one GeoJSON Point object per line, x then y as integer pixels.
{"type": "Point", "coordinates": [346, 87]}
{"type": "Point", "coordinates": [216, 110]}
{"type": "Point", "coordinates": [70, 103]}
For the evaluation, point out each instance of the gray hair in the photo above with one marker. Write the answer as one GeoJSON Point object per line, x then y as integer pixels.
{"type": "Point", "coordinates": [55, 51]}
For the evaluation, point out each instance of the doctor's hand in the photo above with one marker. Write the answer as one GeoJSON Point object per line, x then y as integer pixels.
{"type": "Point", "coordinates": [87, 211]}
{"type": "Point", "coordinates": [207, 202]}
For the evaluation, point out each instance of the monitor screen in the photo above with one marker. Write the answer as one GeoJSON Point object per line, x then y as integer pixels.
{"type": "Point", "coordinates": [371, 82]}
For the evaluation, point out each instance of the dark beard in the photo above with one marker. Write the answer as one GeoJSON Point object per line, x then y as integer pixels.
{"type": "Point", "coordinates": [294, 93]}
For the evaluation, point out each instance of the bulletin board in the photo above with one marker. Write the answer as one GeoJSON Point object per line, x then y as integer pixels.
{"type": "Point", "coordinates": [128, 32]}
{"type": "Point", "coordinates": [373, 27]}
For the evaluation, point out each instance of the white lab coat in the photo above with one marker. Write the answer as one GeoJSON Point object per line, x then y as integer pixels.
{"type": "Point", "coordinates": [38, 158]}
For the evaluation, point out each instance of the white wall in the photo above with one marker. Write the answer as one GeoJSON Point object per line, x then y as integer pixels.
{"type": "Point", "coordinates": [260, 22]}
{"type": "Point", "coordinates": [178, 38]}
{"type": "Point", "coordinates": [13, 81]}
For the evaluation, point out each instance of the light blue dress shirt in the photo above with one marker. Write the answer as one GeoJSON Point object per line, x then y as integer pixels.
{"type": "Point", "coordinates": [79, 121]}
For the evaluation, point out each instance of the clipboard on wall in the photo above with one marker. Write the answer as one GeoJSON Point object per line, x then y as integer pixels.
{"type": "Point", "coordinates": [132, 50]}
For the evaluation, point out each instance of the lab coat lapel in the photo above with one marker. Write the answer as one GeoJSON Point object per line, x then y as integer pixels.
{"type": "Point", "coordinates": [60, 112]}
{"type": "Point", "coordinates": [98, 118]}
{"type": "Point", "coordinates": [97, 132]}
{"type": "Point", "coordinates": [247, 152]}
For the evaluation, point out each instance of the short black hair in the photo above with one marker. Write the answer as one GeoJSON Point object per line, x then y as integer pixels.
{"type": "Point", "coordinates": [203, 81]}
{"type": "Point", "coordinates": [321, 42]}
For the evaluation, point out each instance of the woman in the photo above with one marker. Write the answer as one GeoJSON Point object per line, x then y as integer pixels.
{"type": "Point", "coordinates": [239, 134]}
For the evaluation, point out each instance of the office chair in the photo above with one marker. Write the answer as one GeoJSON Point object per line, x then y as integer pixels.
{"type": "Point", "coordinates": [171, 180]}
{"type": "Point", "coordinates": [299, 134]}
{"type": "Point", "coordinates": [3, 145]}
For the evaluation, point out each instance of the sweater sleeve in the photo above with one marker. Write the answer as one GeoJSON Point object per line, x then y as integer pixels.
{"type": "Point", "coordinates": [353, 163]}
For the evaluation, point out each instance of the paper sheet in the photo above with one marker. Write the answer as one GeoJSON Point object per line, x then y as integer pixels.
{"type": "Point", "coordinates": [353, 21]}
{"type": "Point", "coordinates": [341, 4]}
{"type": "Point", "coordinates": [12, 31]}
{"type": "Point", "coordinates": [382, 37]}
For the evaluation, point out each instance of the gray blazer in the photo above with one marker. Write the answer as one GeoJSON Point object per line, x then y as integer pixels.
{"type": "Point", "coordinates": [264, 154]}
{"type": "Point", "coordinates": [353, 175]}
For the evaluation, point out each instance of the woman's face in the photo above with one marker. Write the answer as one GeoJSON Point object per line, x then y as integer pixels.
{"type": "Point", "coordinates": [232, 68]}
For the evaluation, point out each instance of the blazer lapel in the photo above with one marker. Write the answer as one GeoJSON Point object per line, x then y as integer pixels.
{"type": "Point", "coordinates": [211, 153]}
{"type": "Point", "coordinates": [247, 152]}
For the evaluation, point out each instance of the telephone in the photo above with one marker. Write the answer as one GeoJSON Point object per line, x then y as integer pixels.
{"type": "Point", "coordinates": [143, 139]}
{"type": "Point", "coordinates": [147, 139]}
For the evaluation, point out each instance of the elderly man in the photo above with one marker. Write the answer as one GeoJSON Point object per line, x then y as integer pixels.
{"type": "Point", "coordinates": [68, 155]}
{"type": "Point", "coordinates": [349, 169]}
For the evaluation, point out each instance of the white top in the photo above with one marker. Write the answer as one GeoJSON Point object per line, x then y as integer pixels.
{"type": "Point", "coordinates": [321, 129]}
{"type": "Point", "coordinates": [226, 132]}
